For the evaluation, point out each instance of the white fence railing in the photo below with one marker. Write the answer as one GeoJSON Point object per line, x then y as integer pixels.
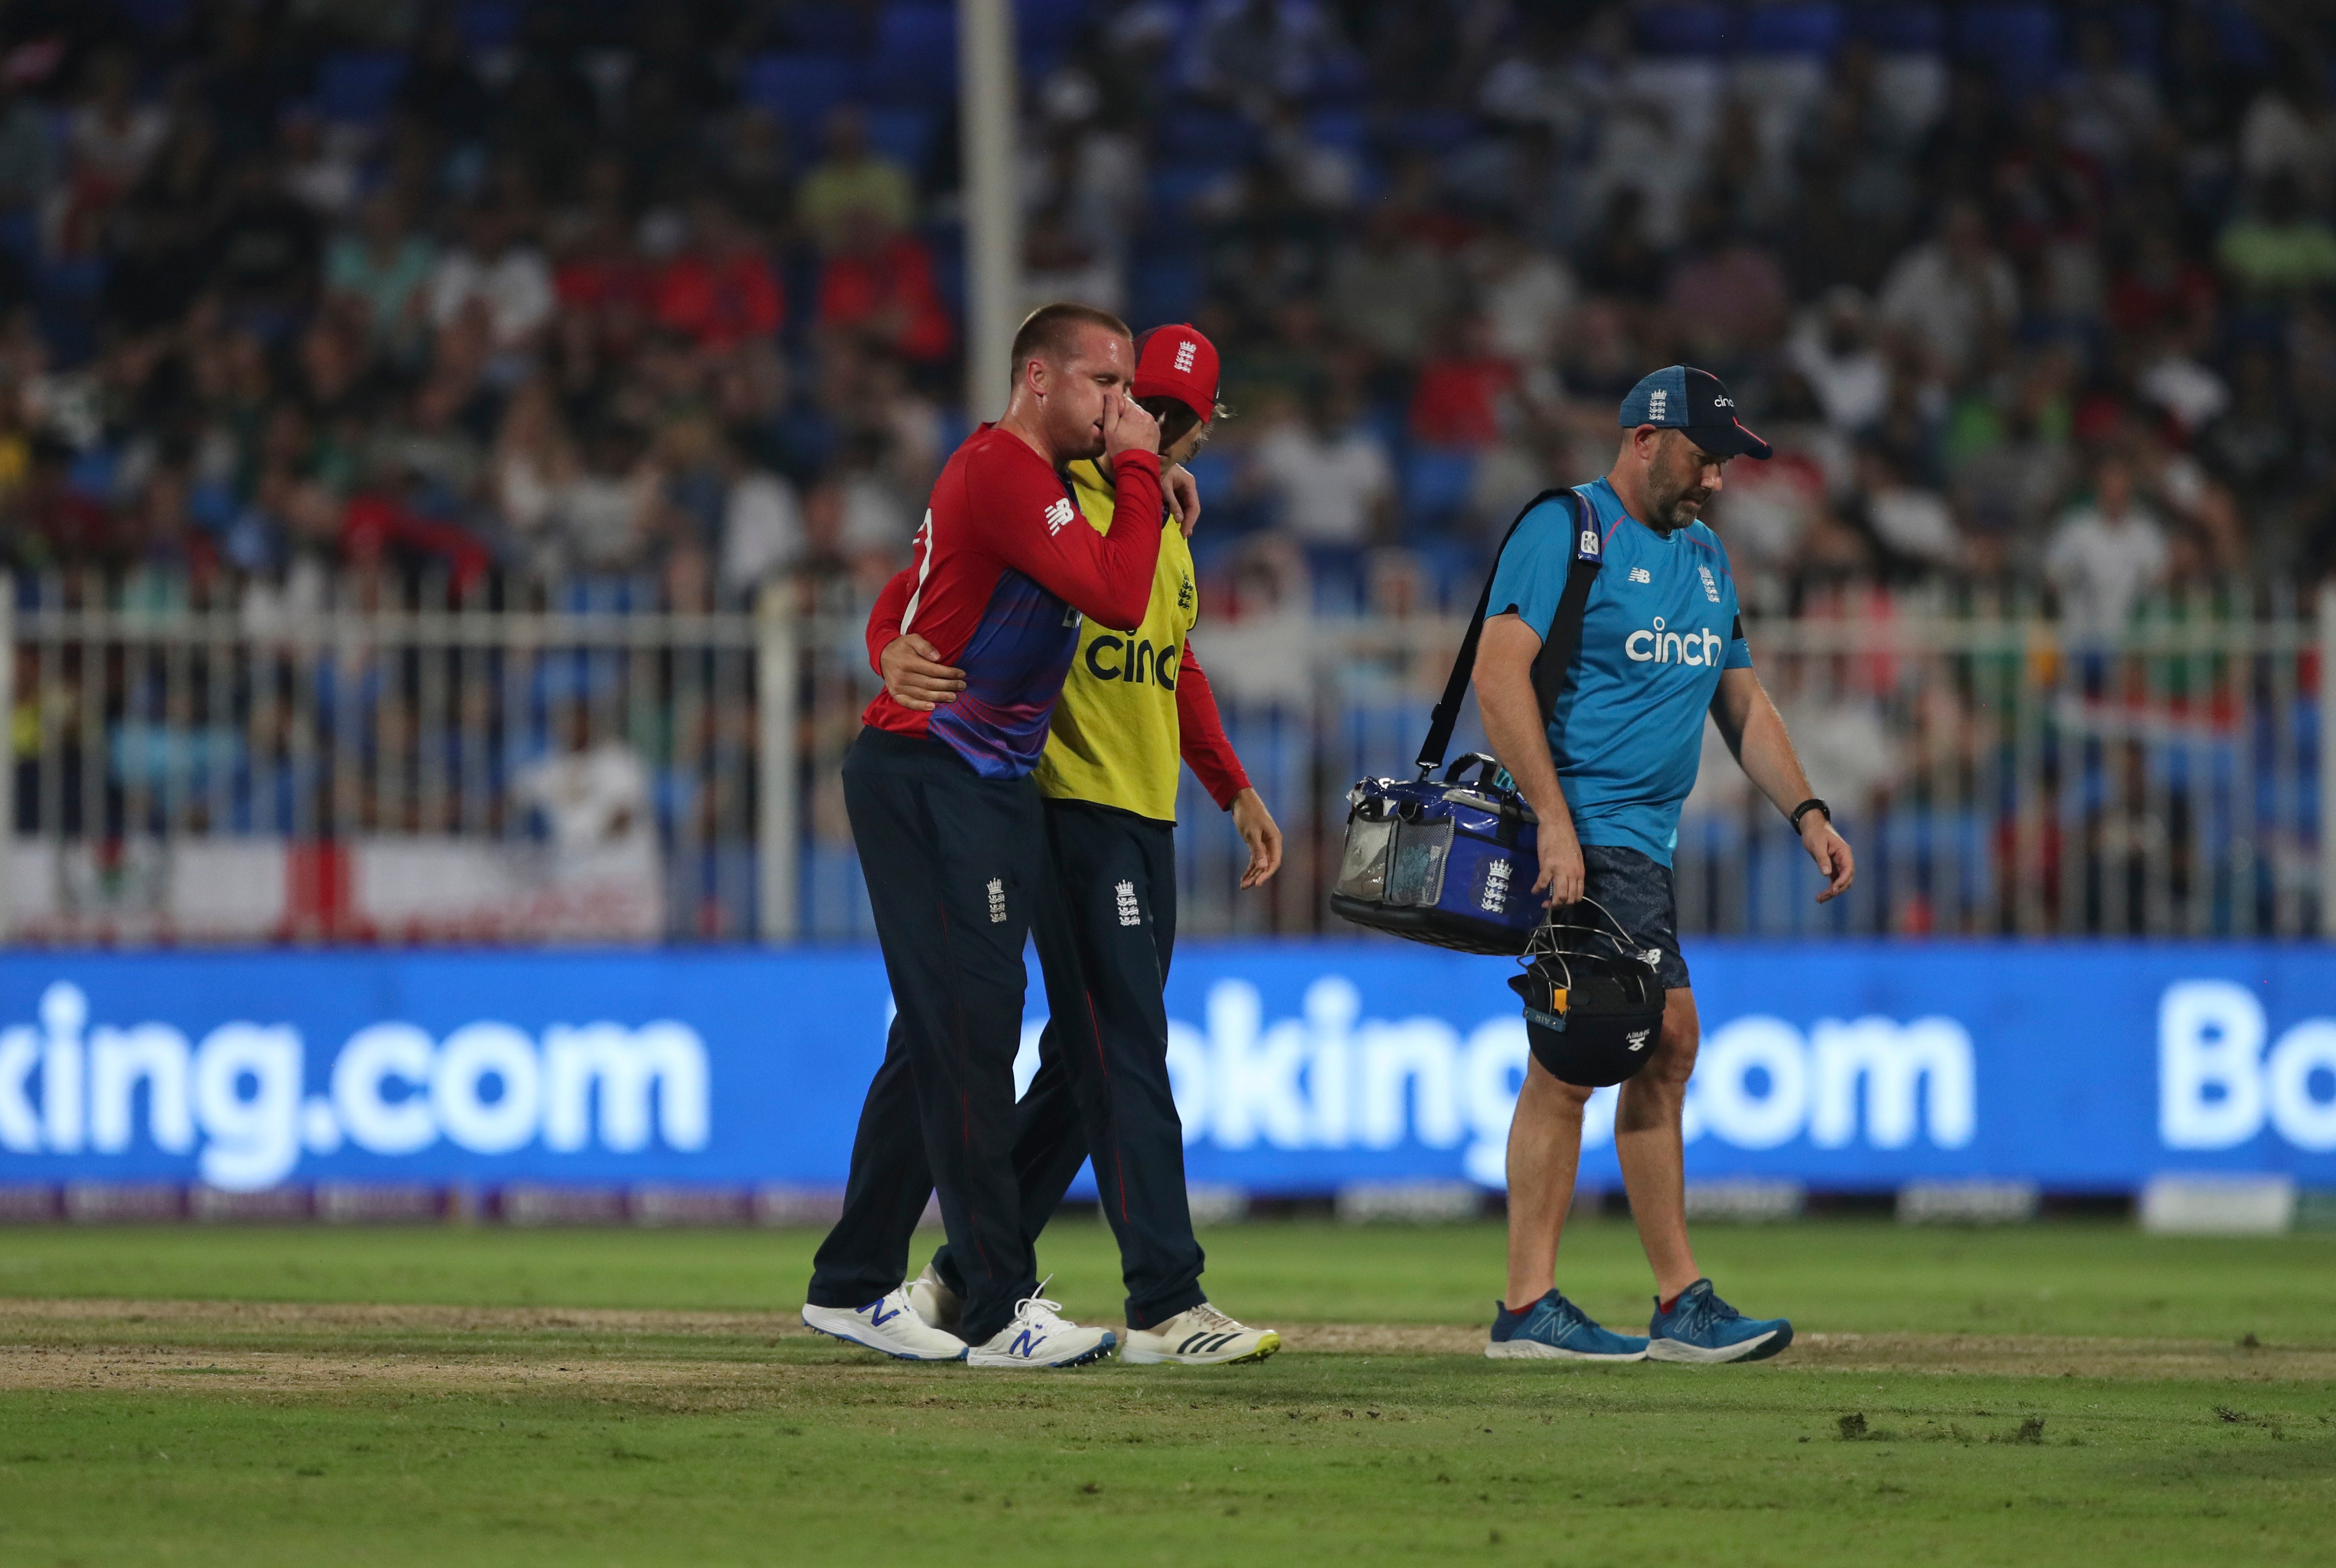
{"type": "Point", "coordinates": [579, 771]}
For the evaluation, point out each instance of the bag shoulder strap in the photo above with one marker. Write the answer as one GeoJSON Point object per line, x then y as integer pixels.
{"type": "Point", "coordinates": [1558, 645]}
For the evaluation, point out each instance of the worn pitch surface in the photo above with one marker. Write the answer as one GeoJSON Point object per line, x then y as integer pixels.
{"type": "Point", "coordinates": [449, 1396]}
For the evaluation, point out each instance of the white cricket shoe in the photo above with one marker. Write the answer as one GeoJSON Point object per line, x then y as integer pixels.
{"type": "Point", "coordinates": [1199, 1337]}
{"type": "Point", "coordinates": [887, 1325]}
{"type": "Point", "coordinates": [934, 1302]}
{"type": "Point", "coordinates": [1040, 1337]}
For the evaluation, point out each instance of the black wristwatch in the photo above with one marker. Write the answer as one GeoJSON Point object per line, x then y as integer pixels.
{"type": "Point", "coordinates": [1806, 807]}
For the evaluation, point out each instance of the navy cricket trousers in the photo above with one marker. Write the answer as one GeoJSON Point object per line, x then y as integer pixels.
{"type": "Point", "coordinates": [1102, 1084]}
{"type": "Point", "coordinates": [955, 867]}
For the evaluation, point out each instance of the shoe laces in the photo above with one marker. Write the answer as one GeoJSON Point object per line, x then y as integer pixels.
{"type": "Point", "coordinates": [1206, 1316]}
{"type": "Point", "coordinates": [1704, 1306]}
{"type": "Point", "coordinates": [1034, 1310]}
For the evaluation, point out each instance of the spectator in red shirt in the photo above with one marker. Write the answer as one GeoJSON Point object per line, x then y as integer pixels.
{"type": "Point", "coordinates": [2160, 288]}
{"type": "Point", "coordinates": [721, 290]}
{"type": "Point", "coordinates": [878, 281]}
{"type": "Point", "coordinates": [1462, 392]}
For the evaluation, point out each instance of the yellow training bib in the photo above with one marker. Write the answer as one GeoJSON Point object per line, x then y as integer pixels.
{"type": "Point", "coordinates": [1115, 739]}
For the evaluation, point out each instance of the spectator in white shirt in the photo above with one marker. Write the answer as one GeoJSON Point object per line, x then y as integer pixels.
{"type": "Point", "coordinates": [2103, 558]}
{"type": "Point", "coordinates": [1329, 476]}
{"type": "Point", "coordinates": [1951, 291]}
{"type": "Point", "coordinates": [493, 266]}
{"type": "Point", "coordinates": [1833, 350]}
{"type": "Point", "coordinates": [1525, 293]}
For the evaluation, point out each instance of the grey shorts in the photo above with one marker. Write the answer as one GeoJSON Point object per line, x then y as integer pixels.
{"type": "Point", "coordinates": [1636, 889]}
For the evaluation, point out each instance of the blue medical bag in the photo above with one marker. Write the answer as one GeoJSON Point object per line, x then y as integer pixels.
{"type": "Point", "coordinates": [1452, 862]}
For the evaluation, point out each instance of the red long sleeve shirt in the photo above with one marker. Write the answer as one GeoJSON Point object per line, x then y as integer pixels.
{"type": "Point", "coordinates": [1002, 569]}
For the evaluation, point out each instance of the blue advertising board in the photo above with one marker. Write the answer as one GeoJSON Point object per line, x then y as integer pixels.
{"type": "Point", "coordinates": [1298, 1067]}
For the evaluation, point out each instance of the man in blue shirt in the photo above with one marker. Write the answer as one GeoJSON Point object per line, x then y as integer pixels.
{"type": "Point", "coordinates": [1661, 644]}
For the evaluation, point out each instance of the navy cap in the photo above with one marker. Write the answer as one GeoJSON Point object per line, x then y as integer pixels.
{"type": "Point", "coordinates": [1681, 397]}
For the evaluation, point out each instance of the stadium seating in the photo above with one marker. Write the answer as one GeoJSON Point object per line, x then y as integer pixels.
{"type": "Point", "coordinates": [1910, 28]}
{"type": "Point", "coordinates": [2021, 42]}
{"type": "Point", "coordinates": [1792, 29]}
{"type": "Point", "coordinates": [357, 86]}
{"type": "Point", "coordinates": [1689, 29]}
{"type": "Point", "coordinates": [915, 59]}
{"type": "Point", "coordinates": [799, 89]}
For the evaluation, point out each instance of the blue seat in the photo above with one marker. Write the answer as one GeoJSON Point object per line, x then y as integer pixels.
{"type": "Point", "coordinates": [487, 23]}
{"type": "Point", "coordinates": [2137, 33]}
{"type": "Point", "coordinates": [1792, 29]}
{"type": "Point", "coordinates": [1347, 130]}
{"type": "Point", "coordinates": [2020, 39]}
{"type": "Point", "coordinates": [357, 86]}
{"type": "Point", "coordinates": [1437, 131]}
{"type": "Point", "coordinates": [2240, 35]}
{"type": "Point", "coordinates": [1437, 482]}
{"type": "Point", "coordinates": [915, 59]}
{"type": "Point", "coordinates": [826, 29]}
{"type": "Point", "coordinates": [1686, 29]}
{"type": "Point", "coordinates": [1164, 288]}
{"type": "Point", "coordinates": [1056, 20]}
{"type": "Point", "coordinates": [799, 89]}
{"type": "Point", "coordinates": [152, 17]}
{"type": "Point", "coordinates": [1912, 28]}
{"type": "Point", "coordinates": [1172, 186]}
{"type": "Point", "coordinates": [1206, 136]}
{"type": "Point", "coordinates": [903, 134]}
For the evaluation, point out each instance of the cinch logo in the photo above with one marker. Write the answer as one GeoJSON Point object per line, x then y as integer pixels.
{"type": "Point", "coordinates": [1059, 514]}
{"type": "Point", "coordinates": [237, 1100]}
{"type": "Point", "coordinates": [1698, 647]}
{"type": "Point", "coordinates": [1123, 658]}
{"type": "Point", "coordinates": [1185, 351]}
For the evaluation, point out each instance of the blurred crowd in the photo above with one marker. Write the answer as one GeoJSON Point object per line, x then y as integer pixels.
{"type": "Point", "coordinates": [467, 299]}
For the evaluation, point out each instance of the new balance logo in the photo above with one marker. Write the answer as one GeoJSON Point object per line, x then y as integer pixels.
{"type": "Point", "coordinates": [1026, 1343]}
{"type": "Point", "coordinates": [1640, 574]}
{"type": "Point", "coordinates": [997, 901]}
{"type": "Point", "coordinates": [1060, 514]}
{"type": "Point", "coordinates": [1184, 356]}
{"type": "Point", "coordinates": [1131, 913]}
{"type": "Point", "coordinates": [878, 1317]}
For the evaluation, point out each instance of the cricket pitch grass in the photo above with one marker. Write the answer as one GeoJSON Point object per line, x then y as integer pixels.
{"type": "Point", "coordinates": [2062, 1392]}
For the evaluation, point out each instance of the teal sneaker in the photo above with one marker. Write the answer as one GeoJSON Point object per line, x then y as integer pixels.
{"type": "Point", "coordinates": [1554, 1329]}
{"type": "Point", "coordinates": [1700, 1328]}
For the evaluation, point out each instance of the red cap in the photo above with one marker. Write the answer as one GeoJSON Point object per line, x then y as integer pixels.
{"type": "Point", "coordinates": [1178, 362]}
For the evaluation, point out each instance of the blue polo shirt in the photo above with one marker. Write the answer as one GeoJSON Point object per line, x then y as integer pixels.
{"type": "Point", "coordinates": [1660, 624]}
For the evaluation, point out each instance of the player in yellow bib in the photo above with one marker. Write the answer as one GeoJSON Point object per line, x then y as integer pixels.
{"type": "Point", "coordinates": [1133, 704]}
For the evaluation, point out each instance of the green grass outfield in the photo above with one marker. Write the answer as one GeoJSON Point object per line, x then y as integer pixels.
{"type": "Point", "coordinates": [2064, 1391]}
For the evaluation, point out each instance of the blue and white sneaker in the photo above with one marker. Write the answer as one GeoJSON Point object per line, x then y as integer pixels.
{"type": "Point", "coordinates": [1039, 1337]}
{"type": "Point", "coordinates": [1555, 1328]}
{"type": "Point", "coordinates": [1702, 1328]}
{"type": "Point", "coordinates": [887, 1325]}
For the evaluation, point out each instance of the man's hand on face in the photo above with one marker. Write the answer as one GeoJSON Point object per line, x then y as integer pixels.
{"type": "Point", "coordinates": [915, 676]}
{"type": "Point", "coordinates": [1183, 498]}
{"type": "Point", "coordinates": [1126, 427]}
